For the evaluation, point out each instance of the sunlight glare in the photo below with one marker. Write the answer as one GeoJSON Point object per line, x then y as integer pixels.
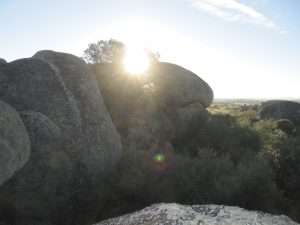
{"type": "Point", "coordinates": [136, 62]}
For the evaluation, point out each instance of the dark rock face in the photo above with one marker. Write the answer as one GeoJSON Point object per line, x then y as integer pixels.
{"type": "Point", "coordinates": [74, 142]}
{"type": "Point", "coordinates": [31, 84]}
{"type": "Point", "coordinates": [100, 146]}
{"type": "Point", "coordinates": [99, 137]}
{"type": "Point", "coordinates": [180, 87]}
{"type": "Point", "coordinates": [280, 110]}
{"type": "Point", "coordinates": [14, 142]}
{"type": "Point", "coordinates": [64, 143]}
{"type": "Point", "coordinates": [175, 214]}
{"type": "Point", "coordinates": [154, 109]}
{"type": "Point", "coordinates": [41, 130]}
{"type": "Point", "coordinates": [43, 185]}
{"type": "Point", "coordinates": [2, 61]}
{"type": "Point", "coordinates": [286, 126]}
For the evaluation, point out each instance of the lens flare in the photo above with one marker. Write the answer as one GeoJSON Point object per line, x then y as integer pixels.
{"type": "Point", "coordinates": [160, 158]}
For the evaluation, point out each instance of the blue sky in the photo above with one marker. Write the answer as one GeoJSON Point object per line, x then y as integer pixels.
{"type": "Point", "coordinates": [242, 48]}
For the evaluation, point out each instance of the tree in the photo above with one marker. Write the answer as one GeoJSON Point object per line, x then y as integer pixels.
{"type": "Point", "coordinates": [105, 51]}
{"type": "Point", "coordinates": [153, 56]}
{"type": "Point", "coordinates": [112, 51]}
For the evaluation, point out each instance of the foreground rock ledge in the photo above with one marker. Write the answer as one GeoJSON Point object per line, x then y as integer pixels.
{"type": "Point", "coordinates": [174, 214]}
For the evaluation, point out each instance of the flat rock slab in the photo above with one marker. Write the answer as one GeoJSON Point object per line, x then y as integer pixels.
{"type": "Point", "coordinates": [174, 214]}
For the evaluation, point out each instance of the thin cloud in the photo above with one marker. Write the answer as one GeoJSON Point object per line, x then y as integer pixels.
{"type": "Point", "coordinates": [234, 10]}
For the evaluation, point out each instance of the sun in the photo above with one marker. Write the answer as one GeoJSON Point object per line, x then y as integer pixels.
{"type": "Point", "coordinates": [136, 61]}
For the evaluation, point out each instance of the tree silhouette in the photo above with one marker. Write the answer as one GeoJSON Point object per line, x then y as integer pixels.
{"type": "Point", "coordinates": [112, 51]}
{"type": "Point", "coordinates": [105, 51]}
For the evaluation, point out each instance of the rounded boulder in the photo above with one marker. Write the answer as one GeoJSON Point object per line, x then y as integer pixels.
{"type": "Point", "coordinates": [14, 142]}
{"type": "Point", "coordinates": [178, 86]}
{"type": "Point", "coordinates": [280, 109]}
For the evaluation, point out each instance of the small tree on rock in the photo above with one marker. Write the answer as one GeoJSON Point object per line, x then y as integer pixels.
{"type": "Point", "coordinates": [105, 51]}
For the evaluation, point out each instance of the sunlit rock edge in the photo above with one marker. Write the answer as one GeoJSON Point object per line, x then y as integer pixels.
{"type": "Point", "coordinates": [175, 214]}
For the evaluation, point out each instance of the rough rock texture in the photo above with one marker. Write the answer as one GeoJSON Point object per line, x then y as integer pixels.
{"type": "Point", "coordinates": [14, 142]}
{"type": "Point", "coordinates": [43, 185]}
{"type": "Point", "coordinates": [174, 214]}
{"type": "Point", "coordinates": [74, 142]}
{"type": "Point", "coordinates": [180, 87]}
{"type": "Point", "coordinates": [101, 142]}
{"type": "Point", "coordinates": [278, 109]}
{"type": "Point", "coordinates": [31, 84]}
{"type": "Point", "coordinates": [41, 129]}
{"type": "Point", "coordinates": [154, 109]}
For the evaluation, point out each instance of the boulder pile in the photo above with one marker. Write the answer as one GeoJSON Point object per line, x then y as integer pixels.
{"type": "Point", "coordinates": [57, 141]}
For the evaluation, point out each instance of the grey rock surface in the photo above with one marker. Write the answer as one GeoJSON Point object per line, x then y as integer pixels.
{"type": "Point", "coordinates": [178, 86]}
{"type": "Point", "coordinates": [41, 129]}
{"type": "Point", "coordinates": [280, 109]}
{"type": "Point", "coordinates": [101, 142]}
{"type": "Point", "coordinates": [42, 188]}
{"type": "Point", "coordinates": [14, 142]}
{"type": "Point", "coordinates": [31, 84]}
{"type": "Point", "coordinates": [174, 214]}
{"type": "Point", "coordinates": [74, 142]}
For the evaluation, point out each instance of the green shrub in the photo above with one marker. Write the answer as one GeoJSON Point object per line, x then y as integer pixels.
{"type": "Point", "coordinates": [205, 179]}
{"type": "Point", "coordinates": [226, 160]}
{"type": "Point", "coordinates": [223, 134]}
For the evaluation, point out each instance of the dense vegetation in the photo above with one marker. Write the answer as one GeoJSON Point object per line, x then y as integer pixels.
{"type": "Point", "coordinates": [231, 159]}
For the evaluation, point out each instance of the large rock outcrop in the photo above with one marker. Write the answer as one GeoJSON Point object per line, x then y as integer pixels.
{"type": "Point", "coordinates": [71, 138]}
{"type": "Point", "coordinates": [175, 214]}
{"type": "Point", "coordinates": [156, 108]}
{"type": "Point", "coordinates": [99, 138]}
{"type": "Point", "coordinates": [180, 87]}
{"type": "Point", "coordinates": [31, 84]}
{"type": "Point", "coordinates": [74, 142]}
{"type": "Point", "coordinates": [43, 185]}
{"type": "Point", "coordinates": [280, 109]}
{"type": "Point", "coordinates": [14, 142]}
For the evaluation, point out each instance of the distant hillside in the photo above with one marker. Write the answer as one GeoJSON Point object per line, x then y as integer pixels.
{"type": "Point", "coordinates": [247, 101]}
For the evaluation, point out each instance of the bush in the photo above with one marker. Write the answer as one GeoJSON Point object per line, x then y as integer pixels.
{"type": "Point", "coordinates": [205, 179]}
{"type": "Point", "coordinates": [223, 134]}
{"type": "Point", "coordinates": [226, 160]}
{"type": "Point", "coordinates": [289, 164]}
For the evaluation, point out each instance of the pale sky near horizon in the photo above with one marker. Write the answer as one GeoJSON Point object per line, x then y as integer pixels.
{"type": "Point", "coordinates": [242, 48]}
